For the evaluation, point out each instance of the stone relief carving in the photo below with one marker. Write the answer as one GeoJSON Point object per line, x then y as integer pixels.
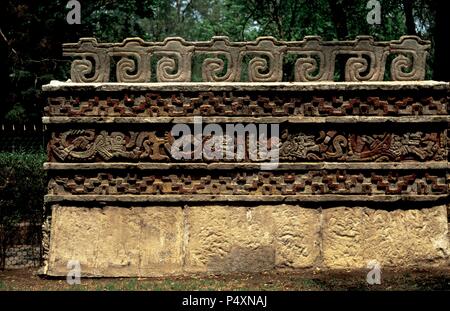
{"type": "Point", "coordinates": [91, 145]}
{"type": "Point", "coordinates": [245, 183]}
{"type": "Point", "coordinates": [87, 145]}
{"type": "Point", "coordinates": [366, 59]}
{"type": "Point", "coordinates": [236, 104]}
{"type": "Point", "coordinates": [334, 146]}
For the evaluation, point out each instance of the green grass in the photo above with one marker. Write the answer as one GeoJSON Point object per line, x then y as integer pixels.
{"type": "Point", "coordinates": [168, 285]}
{"type": "Point", "coordinates": [391, 280]}
{"type": "Point", "coordinates": [309, 283]}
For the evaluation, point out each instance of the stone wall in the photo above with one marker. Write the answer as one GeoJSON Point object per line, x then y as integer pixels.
{"type": "Point", "coordinates": [157, 241]}
{"type": "Point", "coordinates": [362, 175]}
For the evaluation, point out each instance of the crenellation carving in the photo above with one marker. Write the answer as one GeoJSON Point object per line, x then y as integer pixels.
{"type": "Point", "coordinates": [134, 65]}
{"type": "Point", "coordinates": [213, 65]}
{"type": "Point", "coordinates": [410, 63]}
{"type": "Point", "coordinates": [94, 65]}
{"type": "Point", "coordinates": [267, 62]}
{"type": "Point", "coordinates": [175, 62]}
{"type": "Point", "coordinates": [316, 59]}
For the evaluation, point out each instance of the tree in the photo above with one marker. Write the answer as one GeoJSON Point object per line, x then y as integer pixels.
{"type": "Point", "coordinates": [441, 43]}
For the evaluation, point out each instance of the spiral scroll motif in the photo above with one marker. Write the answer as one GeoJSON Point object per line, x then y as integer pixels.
{"type": "Point", "coordinates": [403, 69]}
{"type": "Point", "coordinates": [305, 67]}
{"type": "Point", "coordinates": [82, 68]}
{"type": "Point", "coordinates": [212, 67]}
{"type": "Point", "coordinates": [170, 69]}
{"type": "Point", "coordinates": [167, 69]}
{"type": "Point", "coordinates": [258, 65]}
{"type": "Point", "coordinates": [354, 67]}
{"type": "Point", "coordinates": [127, 65]}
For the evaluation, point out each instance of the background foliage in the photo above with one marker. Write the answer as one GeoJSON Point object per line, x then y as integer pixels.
{"type": "Point", "coordinates": [22, 189]}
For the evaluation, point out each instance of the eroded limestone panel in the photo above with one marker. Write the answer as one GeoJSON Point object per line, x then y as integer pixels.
{"type": "Point", "coordinates": [228, 238]}
{"type": "Point", "coordinates": [354, 236]}
{"type": "Point", "coordinates": [116, 241]}
{"type": "Point", "coordinates": [154, 241]}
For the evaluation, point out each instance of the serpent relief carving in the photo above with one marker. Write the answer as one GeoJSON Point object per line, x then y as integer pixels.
{"type": "Point", "coordinates": [332, 145]}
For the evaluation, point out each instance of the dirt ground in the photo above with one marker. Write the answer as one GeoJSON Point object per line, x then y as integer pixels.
{"type": "Point", "coordinates": [306, 280]}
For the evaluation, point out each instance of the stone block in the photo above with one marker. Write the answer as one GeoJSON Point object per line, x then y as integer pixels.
{"type": "Point", "coordinates": [229, 238]}
{"type": "Point", "coordinates": [354, 236]}
{"type": "Point", "coordinates": [116, 241]}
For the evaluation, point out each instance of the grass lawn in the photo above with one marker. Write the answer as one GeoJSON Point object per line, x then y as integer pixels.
{"type": "Point", "coordinates": [305, 280]}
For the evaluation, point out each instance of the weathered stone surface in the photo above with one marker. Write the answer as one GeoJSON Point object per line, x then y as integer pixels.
{"type": "Point", "coordinates": [59, 86]}
{"type": "Point", "coordinates": [297, 235]}
{"type": "Point", "coordinates": [255, 120]}
{"type": "Point", "coordinates": [228, 238]}
{"type": "Point", "coordinates": [252, 198]}
{"type": "Point", "coordinates": [156, 241]}
{"type": "Point", "coordinates": [354, 236]}
{"type": "Point", "coordinates": [342, 237]}
{"type": "Point", "coordinates": [448, 234]}
{"type": "Point", "coordinates": [245, 166]}
{"type": "Point", "coordinates": [114, 241]}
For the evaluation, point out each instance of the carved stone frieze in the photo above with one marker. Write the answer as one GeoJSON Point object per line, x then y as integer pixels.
{"type": "Point", "coordinates": [179, 104]}
{"type": "Point", "coordinates": [91, 145]}
{"type": "Point", "coordinates": [248, 183]}
{"type": "Point", "coordinates": [332, 145]}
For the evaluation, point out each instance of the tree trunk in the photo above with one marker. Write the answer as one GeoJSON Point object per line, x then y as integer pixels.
{"type": "Point", "coordinates": [4, 72]}
{"type": "Point", "coordinates": [340, 22]}
{"type": "Point", "coordinates": [441, 66]}
{"type": "Point", "coordinates": [339, 18]}
{"type": "Point", "coordinates": [408, 9]}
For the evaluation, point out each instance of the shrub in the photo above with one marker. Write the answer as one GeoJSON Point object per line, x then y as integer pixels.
{"type": "Point", "coordinates": [22, 188]}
